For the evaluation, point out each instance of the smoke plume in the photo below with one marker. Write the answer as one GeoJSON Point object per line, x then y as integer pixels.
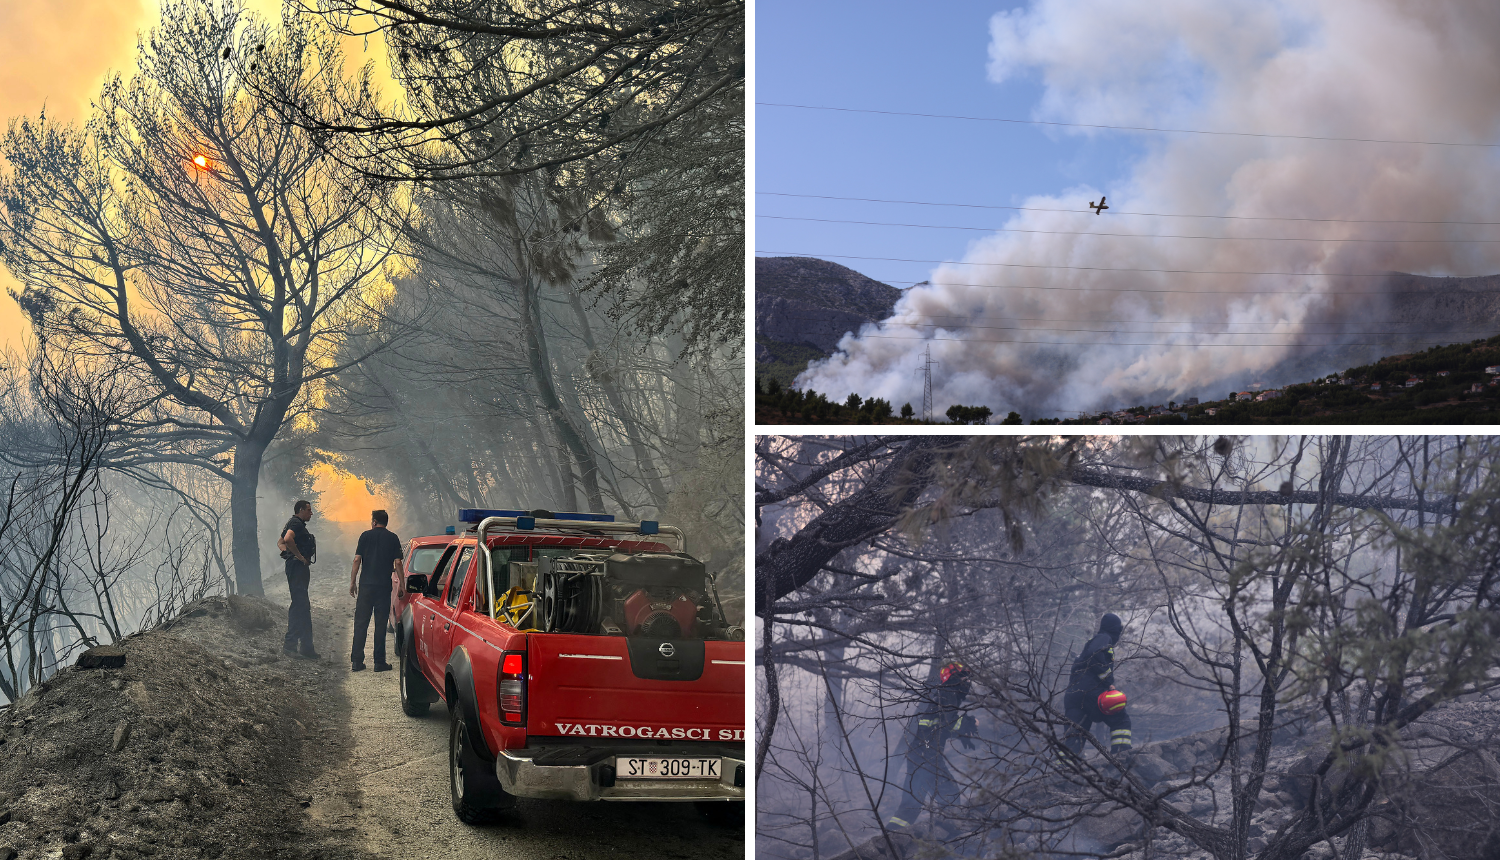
{"type": "Point", "coordinates": [1391, 70]}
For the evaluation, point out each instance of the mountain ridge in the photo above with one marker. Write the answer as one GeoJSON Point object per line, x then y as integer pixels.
{"type": "Point", "coordinates": [804, 306]}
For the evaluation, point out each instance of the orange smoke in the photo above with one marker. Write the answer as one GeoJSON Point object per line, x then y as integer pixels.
{"type": "Point", "coordinates": [344, 497]}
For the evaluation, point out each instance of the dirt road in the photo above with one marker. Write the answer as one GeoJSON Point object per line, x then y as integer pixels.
{"type": "Point", "coordinates": [386, 794]}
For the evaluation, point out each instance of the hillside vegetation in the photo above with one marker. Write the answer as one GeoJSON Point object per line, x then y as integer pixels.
{"type": "Point", "coordinates": [1444, 384]}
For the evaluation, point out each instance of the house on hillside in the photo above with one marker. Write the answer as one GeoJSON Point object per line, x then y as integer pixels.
{"type": "Point", "coordinates": [1212, 411]}
{"type": "Point", "coordinates": [1191, 401]}
{"type": "Point", "coordinates": [1413, 382]}
{"type": "Point", "coordinates": [1442, 373]}
{"type": "Point", "coordinates": [1374, 386]}
{"type": "Point", "coordinates": [1476, 388]}
{"type": "Point", "coordinates": [1494, 368]}
{"type": "Point", "coordinates": [1244, 395]}
{"type": "Point", "coordinates": [1269, 395]}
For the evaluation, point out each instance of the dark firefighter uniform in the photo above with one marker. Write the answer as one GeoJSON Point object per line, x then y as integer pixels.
{"type": "Point", "coordinates": [299, 631]}
{"type": "Point", "coordinates": [927, 774]}
{"type": "Point", "coordinates": [1094, 673]}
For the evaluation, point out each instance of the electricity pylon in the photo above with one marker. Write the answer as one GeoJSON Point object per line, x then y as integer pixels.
{"type": "Point", "coordinates": [927, 363]}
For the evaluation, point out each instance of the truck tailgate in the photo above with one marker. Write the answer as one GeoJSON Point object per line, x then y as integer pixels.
{"type": "Point", "coordinates": [611, 686]}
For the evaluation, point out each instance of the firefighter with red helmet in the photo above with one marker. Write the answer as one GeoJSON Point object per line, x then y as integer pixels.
{"type": "Point", "coordinates": [1092, 697]}
{"type": "Point", "coordinates": [927, 774]}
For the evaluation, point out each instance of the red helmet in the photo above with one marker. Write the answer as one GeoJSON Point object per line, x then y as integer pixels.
{"type": "Point", "coordinates": [1111, 701]}
{"type": "Point", "coordinates": [952, 670]}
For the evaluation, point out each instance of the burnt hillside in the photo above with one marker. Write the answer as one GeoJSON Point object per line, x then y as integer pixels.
{"type": "Point", "coordinates": [197, 746]}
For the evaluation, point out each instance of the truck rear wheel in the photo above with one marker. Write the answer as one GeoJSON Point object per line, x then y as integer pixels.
{"type": "Point", "coordinates": [410, 706]}
{"type": "Point", "coordinates": [477, 795]}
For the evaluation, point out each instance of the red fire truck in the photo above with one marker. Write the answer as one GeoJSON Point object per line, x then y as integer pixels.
{"type": "Point", "coordinates": [579, 658]}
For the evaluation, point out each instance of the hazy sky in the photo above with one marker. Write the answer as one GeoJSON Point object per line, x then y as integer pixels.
{"type": "Point", "coordinates": [58, 54]}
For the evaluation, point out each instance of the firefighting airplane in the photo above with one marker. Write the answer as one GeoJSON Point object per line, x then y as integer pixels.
{"type": "Point", "coordinates": [1098, 207]}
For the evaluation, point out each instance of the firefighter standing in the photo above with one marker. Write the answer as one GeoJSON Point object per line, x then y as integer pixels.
{"type": "Point", "coordinates": [300, 549]}
{"type": "Point", "coordinates": [927, 773]}
{"type": "Point", "coordinates": [1094, 676]}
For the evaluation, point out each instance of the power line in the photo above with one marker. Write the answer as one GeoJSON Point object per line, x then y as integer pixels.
{"type": "Point", "coordinates": [1105, 343]}
{"type": "Point", "coordinates": [1487, 331]}
{"type": "Point", "coordinates": [1108, 269]}
{"type": "Point", "coordinates": [1126, 235]}
{"type": "Point", "coordinates": [1148, 322]}
{"type": "Point", "coordinates": [1127, 127]}
{"type": "Point", "coordinates": [911, 284]}
{"type": "Point", "coordinates": [1113, 212]}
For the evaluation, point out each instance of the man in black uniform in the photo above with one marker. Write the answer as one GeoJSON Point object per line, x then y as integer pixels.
{"type": "Point", "coordinates": [299, 548]}
{"type": "Point", "coordinates": [1094, 673]}
{"type": "Point", "coordinates": [927, 773]}
{"type": "Point", "coordinates": [377, 553]}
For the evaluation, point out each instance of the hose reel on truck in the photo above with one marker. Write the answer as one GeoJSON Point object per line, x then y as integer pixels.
{"type": "Point", "coordinates": [572, 595]}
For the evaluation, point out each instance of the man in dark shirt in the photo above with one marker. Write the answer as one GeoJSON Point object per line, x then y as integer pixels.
{"type": "Point", "coordinates": [299, 548]}
{"type": "Point", "coordinates": [370, 585]}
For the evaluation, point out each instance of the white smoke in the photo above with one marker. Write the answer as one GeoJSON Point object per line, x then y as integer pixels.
{"type": "Point", "coordinates": [1375, 69]}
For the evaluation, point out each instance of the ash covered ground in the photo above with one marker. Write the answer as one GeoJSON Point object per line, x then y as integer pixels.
{"type": "Point", "coordinates": [197, 747]}
{"type": "Point", "coordinates": [211, 742]}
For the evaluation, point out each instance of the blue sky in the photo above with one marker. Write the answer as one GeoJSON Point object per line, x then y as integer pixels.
{"type": "Point", "coordinates": [900, 56]}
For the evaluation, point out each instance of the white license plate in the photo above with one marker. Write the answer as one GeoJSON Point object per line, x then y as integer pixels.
{"type": "Point", "coordinates": [659, 767]}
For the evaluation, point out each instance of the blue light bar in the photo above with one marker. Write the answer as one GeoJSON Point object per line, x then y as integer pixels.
{"type": "Point", "coordinates": [451, 531]}
{"type": "Point", "coordinates": [474, 515]}
{"type": "Point", "coordinates": [525, 524]}
{"type": "Point", "coordinates": [650, 527]}
{"type": "Point", "coordinates": [596, 518]}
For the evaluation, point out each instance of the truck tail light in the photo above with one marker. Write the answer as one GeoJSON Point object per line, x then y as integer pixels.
{"type": "Point", "coordinates": [510, 688]}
